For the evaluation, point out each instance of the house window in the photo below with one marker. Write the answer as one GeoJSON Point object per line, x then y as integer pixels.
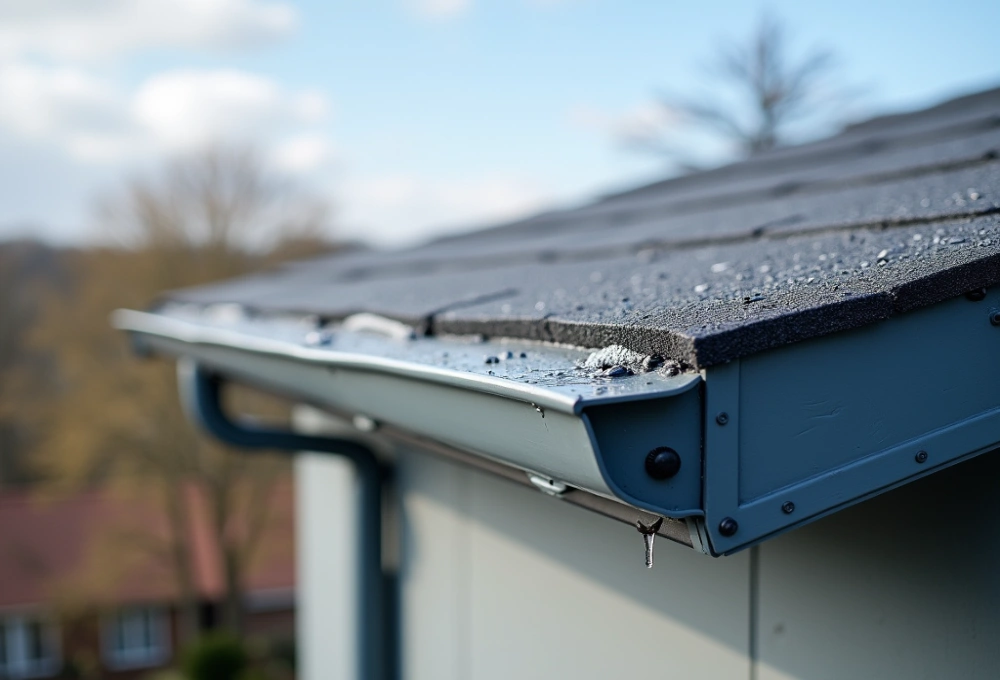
{"type": "Point", "coordinates": [28, 647]}
{"type": "Point", "coordinates": [136, 637]}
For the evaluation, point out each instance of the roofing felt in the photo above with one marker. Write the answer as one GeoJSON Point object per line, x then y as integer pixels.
{"type": "Point", "coordinates": [889, 215]}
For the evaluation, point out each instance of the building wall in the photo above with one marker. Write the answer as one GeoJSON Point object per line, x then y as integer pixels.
{"type": "Point", "coordinates": [500, 581]}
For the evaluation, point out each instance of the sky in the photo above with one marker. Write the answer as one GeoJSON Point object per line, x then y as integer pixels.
{"type": "Point", "coordinates": [417, 118]}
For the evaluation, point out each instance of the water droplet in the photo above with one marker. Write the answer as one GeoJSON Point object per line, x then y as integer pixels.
{"type": "Point", "coordinates": [318, 338]}
{"type": "Point", "coordinates": [720, 267]}
{"type": "Point", "coordinates": [616, 372]}
{"type": "Point", "coordinates": [925, 202]}
{"type": "Point", "coordinates": [701, 288]}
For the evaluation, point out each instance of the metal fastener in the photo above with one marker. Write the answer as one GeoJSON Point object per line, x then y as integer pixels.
{"type": "Point", "coordinates": [995, 317]}
{"type": "Point", "coordinates": [788, 507]}
{"type": "Point", "coordinates": [728, 526]}
{"type": "Point", "coordinates": [722, 418]}
{"type": "Point", "coordinates": [648, 536]}
{"type": "Point", "coordinates": [921, 457]}
{"type": "Point", "coordinates": [662, 463]}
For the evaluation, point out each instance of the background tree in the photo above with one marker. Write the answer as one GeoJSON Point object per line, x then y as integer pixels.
{"type": "Point", "coordinates": [760, 92]}
{"type": "Point", "coordinates": [24, 265]}
{"type": "Point", "coordinates": [113, 420]}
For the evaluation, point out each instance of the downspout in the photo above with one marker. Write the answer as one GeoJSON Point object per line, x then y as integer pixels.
{"type": "Point", "coordinates": [201, 395]}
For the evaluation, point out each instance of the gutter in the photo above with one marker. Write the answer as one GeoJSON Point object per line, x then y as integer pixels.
{"type": "Point", "coordinates": [729, 457]}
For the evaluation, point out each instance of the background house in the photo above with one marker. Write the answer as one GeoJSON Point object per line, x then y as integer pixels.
{"type": "Point", "coordinates": [85, 590]}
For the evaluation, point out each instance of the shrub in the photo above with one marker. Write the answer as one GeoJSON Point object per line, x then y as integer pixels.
{"type": "Point", "coordinates": [216, 657]}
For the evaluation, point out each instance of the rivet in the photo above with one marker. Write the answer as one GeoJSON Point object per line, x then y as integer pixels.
{"type": "Point", "coordinates": [921, 457]}
{"type": "Point", "coordinates": [976, 295]}
{"type": "Point", "coordinates": [662, 463]}
{"type": "Point", "coordinates": [995, 317]}
{"type": "Point", "coordinates": [722, 418]}
{"type": "Point", "coordinates": [788, 507]}
{"type": "Point", "coordinates": [728, 526]}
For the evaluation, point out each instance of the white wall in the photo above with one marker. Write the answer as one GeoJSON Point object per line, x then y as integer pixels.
{"type": "Point", "coordinates": [326, 570]}
{"type": "Point", "coordinates": [504, 582]}
{"type": "Point", "coordinates": [500, 581]}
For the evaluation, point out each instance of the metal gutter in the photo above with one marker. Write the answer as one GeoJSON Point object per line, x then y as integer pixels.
{"type": "Point", "coordinates": [288, 339]}
{"type": "Point", "coordinates": [766, 443]}
{"type": "Point", "coordinates": [543, 415]}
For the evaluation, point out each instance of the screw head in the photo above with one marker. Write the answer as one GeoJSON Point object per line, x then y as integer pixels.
{"type": "Point", "coordinates": [728, 526]}
{"type": "Point", "coordinates": [995, 317]}
{"type": "Point", "coordinates": [976, 295]}
{"type": "Point", "coordinates": [921, 457]}
{"type": "Point", "coordinates": [722, 418]}
{"type": "Point", "coordinates": [788, 507]}
{"type": "Point", "coordinates": [662, 463]}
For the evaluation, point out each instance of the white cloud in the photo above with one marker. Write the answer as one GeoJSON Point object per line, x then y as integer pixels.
{"type": "Point", "coordinates": [643, 119]}
{"type": "Point", "coordinates": [62, 106]}
{"type": "Point", "coordinates": [183, 110]}
{"type": "Point", "coordinates": [401, 209]}
{"type": "Point", "coordinates": [302, 153]}
{"type": "Point", "coordinates": [91, 120]}
{"type": "Point", "coordinates": [97, 29]}
{"type": "Point", "coordinates": [439, 9]}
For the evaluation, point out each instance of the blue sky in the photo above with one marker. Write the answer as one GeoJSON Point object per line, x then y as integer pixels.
{"type": "Point", "coordinates": [415, 117]}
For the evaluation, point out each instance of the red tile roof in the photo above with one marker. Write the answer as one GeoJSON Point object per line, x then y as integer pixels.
{"type": "Point", "coordinates": [102, 547]}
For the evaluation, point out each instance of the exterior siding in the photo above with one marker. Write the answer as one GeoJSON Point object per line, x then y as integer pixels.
{"type": "Point", "coordinates": [499, 581]}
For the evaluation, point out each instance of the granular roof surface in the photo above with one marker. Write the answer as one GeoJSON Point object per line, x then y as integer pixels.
{"type": "Point", "coordinates": [889, 215]}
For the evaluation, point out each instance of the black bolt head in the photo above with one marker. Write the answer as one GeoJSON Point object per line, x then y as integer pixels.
{"type": "Point", "coordinates": [788, 507]}
{"type": "Point", "coordinates": [728, 526]}
{"type": "Point", "coordinates": [995, 317]}
{"type": "Point", "coordinates": [722, 418]}
{"type": "Point", "coordinates": [921, 457]}
{"type": "Point", "coordinates": [662, 463]}
{"type": "Point", "coordinates": [976, 295]}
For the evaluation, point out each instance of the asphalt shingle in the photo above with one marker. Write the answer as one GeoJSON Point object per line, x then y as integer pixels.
{"type": "Point", "coordinates": [890, 215]}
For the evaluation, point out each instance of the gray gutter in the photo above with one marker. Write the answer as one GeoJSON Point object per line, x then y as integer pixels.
{"type": "Point", "coordinates": [543, 414]}
{"type": "Point", "coordinates": [765, 443]}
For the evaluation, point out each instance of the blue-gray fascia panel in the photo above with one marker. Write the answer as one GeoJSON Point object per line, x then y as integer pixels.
{"type": "Point", "coordinates": [809, 428]}
{"type": "Point", "coordinates": [814, 427]}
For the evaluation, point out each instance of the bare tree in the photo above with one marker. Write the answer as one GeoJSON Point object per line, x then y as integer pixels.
{"type": "Point", "coordinates": [116, 421]}
{"type": "Point", "coordinates": [761, 91]}
{"type": "Point", "coordinates": [223, 198]}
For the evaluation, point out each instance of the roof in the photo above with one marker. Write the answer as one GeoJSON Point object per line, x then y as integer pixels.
{"type": "Point", "coordinates": [86, 548]}
{"type": "Point", "coordinates": [892, 214]}
{"type": "Point", "coordinates": [799, 251]}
